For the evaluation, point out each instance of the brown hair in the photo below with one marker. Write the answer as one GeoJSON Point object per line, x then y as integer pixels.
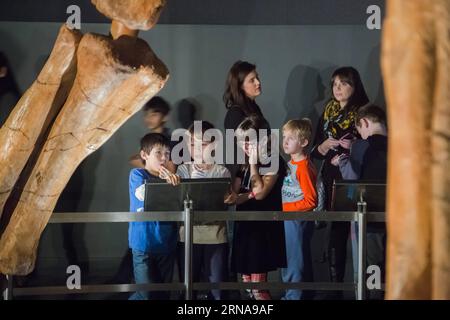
{"type": "Point", "coordinates": [234, 95]}
{"type": "Point", "coordinates": [351, 76]}
{"type": "Point", "coordinates": [151, 140]}
{"type": "Point", "coordinates": [205, 125]}
{"type": "Point", "coordinates": [157, 104]}
{"type": "Point", "coordinates": [256, 123]}
{"type": "Point", "coordinates": [371, 112]}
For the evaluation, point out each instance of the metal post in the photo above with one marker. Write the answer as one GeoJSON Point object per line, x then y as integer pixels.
{"type": "Point", "coordinates": [362, 249]}
{"type": "Point", "coordinates": [188, 231]}
{"type": "Point", "coordinates": [9, 288]}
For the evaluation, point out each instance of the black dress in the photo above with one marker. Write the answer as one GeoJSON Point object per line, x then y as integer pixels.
{"type": "Point", "coordinates": [259, 246]}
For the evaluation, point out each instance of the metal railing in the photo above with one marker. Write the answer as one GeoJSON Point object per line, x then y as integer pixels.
{"type": "Point", "coordinates": [189, 218]}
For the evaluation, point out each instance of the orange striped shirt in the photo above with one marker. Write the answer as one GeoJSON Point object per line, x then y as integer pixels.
{"type": "Point", "coordinates": [299, 186]}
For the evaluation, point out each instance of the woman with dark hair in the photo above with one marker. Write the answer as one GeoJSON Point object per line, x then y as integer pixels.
{"type": "Point", "coordinates": [242, 88]}
{"type": "Point", "coordinates": [335, 133]}
{"type": "Point", "coordinates": [258, 246]}
{"type": "Point", "coordinates": [9, 93]}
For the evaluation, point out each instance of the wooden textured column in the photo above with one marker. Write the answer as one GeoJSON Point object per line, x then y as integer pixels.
{"type": "Point", "coordinates": [415, 63]}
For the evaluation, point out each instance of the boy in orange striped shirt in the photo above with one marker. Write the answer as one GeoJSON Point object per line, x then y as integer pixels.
{"type": "Point", "coordinates": [298, 194]}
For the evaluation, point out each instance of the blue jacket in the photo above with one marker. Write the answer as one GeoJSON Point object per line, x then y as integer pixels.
{"type": "Point", "coordinates": [153, 236]}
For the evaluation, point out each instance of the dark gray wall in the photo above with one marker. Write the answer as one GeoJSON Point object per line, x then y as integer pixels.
{"type": "Point", "coordinates": [294, 62]}
{"type": "Point", "coordinates": [219, 12]}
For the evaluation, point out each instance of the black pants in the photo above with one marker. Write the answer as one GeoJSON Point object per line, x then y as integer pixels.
{"type": "Point", "coordinates": [337, 250]}
{"type": "Point", "coordinates": [376, 255]}
{"type": "Point", "coordinates": [209, 264]}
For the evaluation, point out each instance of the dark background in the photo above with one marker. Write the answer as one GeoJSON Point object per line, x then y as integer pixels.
{"type": "Point", "coordinates": [226, 12]}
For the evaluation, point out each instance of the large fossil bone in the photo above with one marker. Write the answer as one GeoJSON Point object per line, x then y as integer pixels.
{"type": "Point", "coordinates": [114, 79]}
{"type": "Point", "coordinates": [416, 71]}
{"type": "Point", "coordinates": [36, 109]}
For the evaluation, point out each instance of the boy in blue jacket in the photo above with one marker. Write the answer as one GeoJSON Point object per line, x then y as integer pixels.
{"type": "Point", "coordinates": [153, 243]}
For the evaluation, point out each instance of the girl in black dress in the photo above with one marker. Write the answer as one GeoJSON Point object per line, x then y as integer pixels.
{"type": "Point", "coordinates": [258, 246]}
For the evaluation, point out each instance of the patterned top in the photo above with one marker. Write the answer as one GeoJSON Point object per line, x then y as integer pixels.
{"type": "Point", "coordinates": [337, 120]}
{"type": "Point", "coordinates": [299, 186]}
{"type": "Point", "coordinates": [334, 123]}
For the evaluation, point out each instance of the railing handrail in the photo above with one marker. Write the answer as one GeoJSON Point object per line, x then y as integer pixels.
{"type": "Point", "coordinates": [179, 286]}
{"type": "Point", "coordinates": [199, 216]}
{"type": "Point", "coordinates": [191, 216]}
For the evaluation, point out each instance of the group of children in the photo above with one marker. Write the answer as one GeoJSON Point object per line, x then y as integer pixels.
{"type": "Point", "coordinates": [154, 244]}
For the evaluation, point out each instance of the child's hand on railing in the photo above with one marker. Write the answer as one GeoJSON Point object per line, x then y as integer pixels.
{"type": "Point", "coordinates": [170, 177]}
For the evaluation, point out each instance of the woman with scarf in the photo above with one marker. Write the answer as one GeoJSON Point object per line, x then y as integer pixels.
{"type": "Point", "coordinates": [335, 132]}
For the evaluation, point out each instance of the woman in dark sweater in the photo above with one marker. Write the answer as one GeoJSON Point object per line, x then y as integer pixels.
{"type": "Point", "coordinates": [242, 87]}
{"type": "Point", "coordinates": [335, 133]}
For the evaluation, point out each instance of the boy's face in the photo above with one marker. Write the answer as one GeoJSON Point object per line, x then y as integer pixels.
{"type": "Point", "coordinates": [159, 156]}
{"type": "Point", "coordinates": [197, 149]}
{"type": "Point", "coordinates": [363, 128]}
{"type": "Point", "coordinates": [154, 120]}
{"type": "Point", "coordinates": [292, 144]}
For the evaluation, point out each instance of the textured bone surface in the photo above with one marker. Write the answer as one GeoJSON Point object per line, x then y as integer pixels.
{"type": "Point", "coordinates": [114, 79]}
{"type": "Point", "coordinates": [134, 14]}
{"type": "Point", "coordinates": [36, 109]}
{"type": "Point", "coordinates": [440, 143]}
{"type": "Point", "coordinates": [416, 72]}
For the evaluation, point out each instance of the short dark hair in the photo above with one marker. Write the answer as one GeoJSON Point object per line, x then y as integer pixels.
{"type": "Point", "coordinates": [151, 140]}
{"type": "Point", "coordinates": [157, 104]}
{"type": "Point", "coordinates": [206, 125]}
{"type": "Point", "coordinates": [371, 112]}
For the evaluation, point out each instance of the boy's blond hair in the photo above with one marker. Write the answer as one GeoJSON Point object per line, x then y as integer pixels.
{"type": "Point", "coordinates": [301, 127]}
